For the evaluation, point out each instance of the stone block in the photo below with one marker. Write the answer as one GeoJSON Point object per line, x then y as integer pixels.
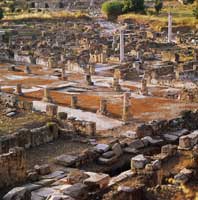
{"type": "Point", "coordinates": [66, 160]}
{"type": "Point", "coordinates": [116, 148]}
{"type": "Point", "coordinates": [78, 191]}
{"type": "Point", "coordinates": [97, 179]}
{"type": "Point", "coordinates": [138, 162]}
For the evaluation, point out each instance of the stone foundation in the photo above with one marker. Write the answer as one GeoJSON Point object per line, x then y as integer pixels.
{"type": "Point", "coordinates": [12, 167]}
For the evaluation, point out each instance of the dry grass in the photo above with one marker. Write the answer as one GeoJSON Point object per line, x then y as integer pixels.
{"type": "Point", "coordinates": [182, 16]}
{"type": "Point", "coordinates": [46, 15]}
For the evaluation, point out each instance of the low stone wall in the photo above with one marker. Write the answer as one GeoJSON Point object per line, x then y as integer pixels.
{"type": "Point", "coordinates": [29, 138]}
{"type": "Point", "coordinates": [12, 167]}
{"type": "Point", "coordinates": [188, 120]}
{"type": "Point", "coordinates": [82, 127]}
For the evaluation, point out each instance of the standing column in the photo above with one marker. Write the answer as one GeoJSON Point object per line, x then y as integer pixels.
{"type": "Point", "coordinates": [121, 45]}
{"type": "Point", "coordinates": [126, 107]}
{"type": "Point", "coordinates": [169, 27]}
{"type": "Point", "coordinates": [46, 96]}
{"type": "Point", "coordinates": [91, 3]}
{"type": "Point", "coordinates": [19, 89]}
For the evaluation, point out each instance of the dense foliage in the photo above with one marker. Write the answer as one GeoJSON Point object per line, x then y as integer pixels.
{"type": "Point", "coordinates": [1, 13]}
{"type": "Point", "coordinates": [114, 8]}
{"type": "Point", "coordinates": [195, 12]}
{"type": "Point", "coordinates": [158, 5]}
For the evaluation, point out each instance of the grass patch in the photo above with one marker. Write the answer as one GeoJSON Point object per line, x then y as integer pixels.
{"type": "Point", "coordinates": [182, 16]}
{"type": "Point", "coordinates": [46, 15]}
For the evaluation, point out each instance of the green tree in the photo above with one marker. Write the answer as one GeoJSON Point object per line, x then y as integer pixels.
{"type": "Point", "coordinates": [195, 12]}
{"type": "Point", "coordinates": [158, 6]}
{"type": "Point", "coordinates": [1, 13]}
{"type": "Point", "coordinates": [12, 7]}
{"type": "Point", "coordinates": [112, 8]}
{"type": "Point", "coordinates": [133, 6]}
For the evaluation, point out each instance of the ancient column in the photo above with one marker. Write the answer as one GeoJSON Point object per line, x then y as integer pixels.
{"type": "Point", "coordinates": [144, 88]}
{"type": "Point", "coordinates": [46, 96]}
{"type": "Point", "coordinates": [74, 100]}
{"type": "Point", "coordinates": [88, 80]}
{"type": "Point", "coordinates": [126, 106]}
{"type": "Point", "coordinates": [169, 27]}
{"type": "Point", "coordinates": [116, 84]}
{"type": "Point", "coordinates": [103, 107]}
{"type": "Point", "coordinates": [176, 74]}
{"type": "Point", "coordinates": [196, 54]}
{"type": "Point", "coordinates": [63, 74]}
{"type": "Point", "coordinates": [121, 45]}
{"type": "Point", "coordinates": [92, 69]}
{"type": "Point", "coordinates": [27, 69]}
{"type": "Point", "coordinates": [19, 89]}
{"type": "Point", "coordinates": [91, 3]}
{"type": "Point", "coordinates": [114, 43]}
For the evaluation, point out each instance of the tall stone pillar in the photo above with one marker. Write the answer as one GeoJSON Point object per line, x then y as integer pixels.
{"type": "Point", "coordinates": [126, 107]}
{"type": "Point", "coordinates": [46, 96]}
{"type": "Point", "coordinates": [169, 27]}
{"type": "Point", "coordinates": [114, 43]}
{"type": "Point", "coordinates": [121, 45]}
{"type": "Point", "coordinates": [74, 100]}
{"type": "Point", "coordinates": [19, 89]}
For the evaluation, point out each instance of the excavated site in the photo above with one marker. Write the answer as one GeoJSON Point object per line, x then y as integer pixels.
{"type": "Point", "coordinates": [97, 110]}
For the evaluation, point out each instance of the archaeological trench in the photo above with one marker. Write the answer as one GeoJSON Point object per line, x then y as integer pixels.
{"type": "Point", "coordinates": [97, 110]}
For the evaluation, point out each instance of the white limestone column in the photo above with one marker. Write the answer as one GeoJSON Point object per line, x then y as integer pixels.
{"type": "Point", "coordinates": [169, 27]}
{"type": "Point", "coordinates": [121, 45]}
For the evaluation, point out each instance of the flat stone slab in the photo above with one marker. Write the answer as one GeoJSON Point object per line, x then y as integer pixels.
{"type": "Point", "coordinates": [97, 178]}
{"type": "Point", "coordinates": [55, 174]}
{"type": "Point", "coordinates": [44, 192]}
{"type": "Point", "coordinates": [66, 160]}
{"type": "Point", "coordinates": [102, 147]}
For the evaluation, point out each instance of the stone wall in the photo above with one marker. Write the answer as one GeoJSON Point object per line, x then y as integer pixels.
{"type": "Point", "coordinates": [188, 120]}
{"type": "Point", "coordinates": [29, 138]}
{"type": "Point", "coordinates": [12, 167]}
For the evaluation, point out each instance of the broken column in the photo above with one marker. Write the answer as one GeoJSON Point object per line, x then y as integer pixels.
{"type": "Point", "coordinates": [116, 84]}
{"type": "Point", "coordinates": [19, 89]}
{"type": "Point", "coordinates": [116, 77]}
{"type": "Point", "coordinates": [126, 106]}
{"type": "Point", "coordinates": [88, 80]}
{"type": "Point", "coordinates": [63, 75]}
{"type": "Point", "coordinates": [103, 107]}
{"type": "Point", "coordinates": [169, 27]}
{"type": "Point", "coordinates": [91, 69]}
{"type": "Point", "coordinates": [144, 88]}
{"type": "Point", "coordinates": [27, 69]}
{"type": "Point", "coordinates": [121, 45]}
{"type": "Point", "coordinates": [74, 100]}
{"type": "Point", "coordinates": [47, 97]}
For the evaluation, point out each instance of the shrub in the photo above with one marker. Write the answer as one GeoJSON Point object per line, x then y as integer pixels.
{"type": "Point", "coordinates": [1, 13]}
{"type": "Point", "coordinates": [158, 6]}
{"type": "Point", "coordinates": [195, 12]}
{"type": "Point", "coordinates": [112, 8]}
